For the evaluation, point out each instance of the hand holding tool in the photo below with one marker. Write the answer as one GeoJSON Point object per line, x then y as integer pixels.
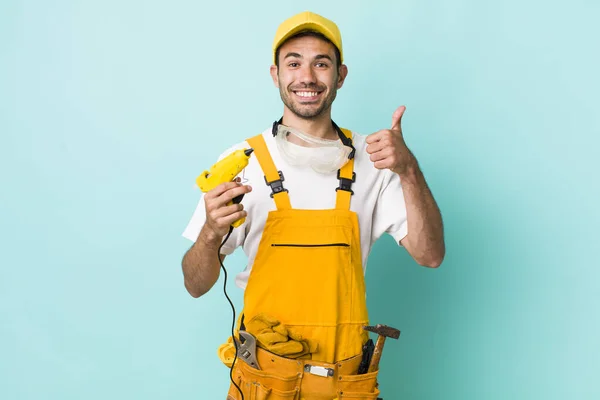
{"type": "Point", "coordinates": [384, 332]}
{"type": "Point", "coordinates": [223, 171]}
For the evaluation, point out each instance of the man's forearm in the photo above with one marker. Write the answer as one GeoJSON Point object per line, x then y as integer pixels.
{"type": "Point", "coordinates": [425, 239]}
{"type": "Point", "coordinates": [201, 265]}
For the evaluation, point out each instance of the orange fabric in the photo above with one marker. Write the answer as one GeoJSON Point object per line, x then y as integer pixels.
{"type": "Point", "coordinates": [308, 272]}
{"type": "Point", "coordinates": [308, 275]}
{"type": "Point", "coordinates": [283, 378]}
{"type": "Point", "coordinates": [282, 200]}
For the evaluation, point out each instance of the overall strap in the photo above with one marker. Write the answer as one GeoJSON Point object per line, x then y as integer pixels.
{"type": "Point", "coordinates": [346, 176]}
{"type": "Point", "coordinates": [273, 177]}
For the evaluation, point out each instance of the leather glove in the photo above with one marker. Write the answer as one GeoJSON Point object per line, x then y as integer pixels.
{"type": "Point", "coordinates": [275, 337]}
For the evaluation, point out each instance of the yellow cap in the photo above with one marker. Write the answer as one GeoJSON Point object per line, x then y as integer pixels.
{"type": "Point", "coordinates": [308, 21]}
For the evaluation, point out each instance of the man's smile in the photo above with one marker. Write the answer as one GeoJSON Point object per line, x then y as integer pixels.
{"type": "Point", "coordinates": [307, 95]}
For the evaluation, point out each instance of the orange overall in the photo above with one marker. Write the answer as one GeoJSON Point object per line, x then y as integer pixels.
{"type": "Point", "coordinates": [310, 261]}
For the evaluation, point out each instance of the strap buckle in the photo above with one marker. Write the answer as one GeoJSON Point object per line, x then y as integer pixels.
{"type": "Point", "coordinates": [345, 183]}
{"type": "Point", "coordinates": [276, 185]}
{"type": "Point", "coordinates": [318, 370]}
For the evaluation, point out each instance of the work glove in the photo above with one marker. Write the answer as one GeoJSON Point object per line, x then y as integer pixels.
{"type": "Point", "coordinates": [275, 337]}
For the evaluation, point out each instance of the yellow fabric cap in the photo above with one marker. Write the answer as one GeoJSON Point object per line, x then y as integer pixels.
{"type": "Point", "coordinates": [308, 21]}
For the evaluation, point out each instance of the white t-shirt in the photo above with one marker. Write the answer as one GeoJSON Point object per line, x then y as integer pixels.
{"type": "Point", "coordinates": [378, 200]}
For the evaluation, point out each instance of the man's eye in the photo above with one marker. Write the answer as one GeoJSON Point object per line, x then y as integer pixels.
{"type": "Point", "coordinates": [293, 64]}
{"type": "Point", "coordinates": [322, 65]}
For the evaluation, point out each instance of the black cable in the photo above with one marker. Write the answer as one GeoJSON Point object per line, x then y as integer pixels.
{"type": "Point", "coordinates": [232, 309]}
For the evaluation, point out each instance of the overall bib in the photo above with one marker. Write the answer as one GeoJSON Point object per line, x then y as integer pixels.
{"type": "Point", "coordinates": [308, 274]}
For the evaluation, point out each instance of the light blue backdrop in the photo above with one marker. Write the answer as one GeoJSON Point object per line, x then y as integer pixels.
{"type": "Point", "coordinates": [110, 109]}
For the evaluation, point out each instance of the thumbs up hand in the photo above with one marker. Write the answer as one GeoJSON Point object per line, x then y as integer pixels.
{"type": "Point", "coordinates": [387, 148]}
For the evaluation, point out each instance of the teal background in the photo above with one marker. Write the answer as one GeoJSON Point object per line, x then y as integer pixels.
{"type": "Point", "coordinates": [110, 109]}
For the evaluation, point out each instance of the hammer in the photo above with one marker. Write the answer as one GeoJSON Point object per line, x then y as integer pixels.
{"type": "Point", "coordinates": [384, 332]}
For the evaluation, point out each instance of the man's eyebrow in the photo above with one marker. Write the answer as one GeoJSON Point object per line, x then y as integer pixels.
{"type": "Point", "coordinates": [293, 55]}
{"type": "Point", "coordinates": [317, 57]}
{"type": "Point", "coordinates": [320, 56]}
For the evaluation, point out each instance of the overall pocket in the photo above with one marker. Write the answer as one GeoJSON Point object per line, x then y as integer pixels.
{"type": "Point", "coordinates": [363, 386]}
{"type": "Point", "coordinates": [359, 396]}
{"type": "Point", "coordinates": [260, 385]}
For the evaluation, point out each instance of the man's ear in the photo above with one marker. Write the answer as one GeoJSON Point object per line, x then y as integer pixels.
{"type": "Point", "coordinates": [274, 75]}
{"type": "Point", "coordinates": [342, 73]}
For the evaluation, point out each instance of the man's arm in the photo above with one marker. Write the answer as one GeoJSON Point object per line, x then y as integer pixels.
{"type": "Point", "coordinates": [425, 238]}
{"type": "Point", "coordinates": [200, 263]}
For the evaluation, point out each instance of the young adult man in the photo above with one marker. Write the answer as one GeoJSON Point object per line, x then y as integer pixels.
{"type": "Point", "coordinates": [316, 199]}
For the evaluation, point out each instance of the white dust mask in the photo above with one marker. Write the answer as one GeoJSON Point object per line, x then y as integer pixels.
{"type": "Point", "coordinates": [322, 155]}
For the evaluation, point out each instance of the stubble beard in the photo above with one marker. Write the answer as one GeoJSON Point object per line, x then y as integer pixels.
{"type": "Point", "coordinates": [303, 111]}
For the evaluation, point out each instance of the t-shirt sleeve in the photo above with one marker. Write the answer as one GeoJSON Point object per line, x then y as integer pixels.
{"type": "Point", "coordinates": [390, 212]}
{"type": "Point", "coordinates": [195, 224]}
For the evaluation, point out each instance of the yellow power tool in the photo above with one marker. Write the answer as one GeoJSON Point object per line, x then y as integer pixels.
{"type": "Point", "coordinates": [223, 171]}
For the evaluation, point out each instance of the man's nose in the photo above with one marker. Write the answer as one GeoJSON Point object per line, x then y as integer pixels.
{"type": "Point", "coordinates": [307, 74]}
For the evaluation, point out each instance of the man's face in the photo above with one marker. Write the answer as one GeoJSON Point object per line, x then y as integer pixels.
{"type": "Point", "coordinates": [308, 77]}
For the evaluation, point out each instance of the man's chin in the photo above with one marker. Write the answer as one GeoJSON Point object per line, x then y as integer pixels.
{"type": "Point", "coordinates": [308, 110]}
{"type": "Point", "coordinates": [308, 115]}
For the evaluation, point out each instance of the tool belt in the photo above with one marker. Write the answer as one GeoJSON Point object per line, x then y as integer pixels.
{"type": "Point", "coordinates": [295, 379]}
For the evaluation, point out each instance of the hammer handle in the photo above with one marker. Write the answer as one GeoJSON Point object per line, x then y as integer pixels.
{"type": "Point", "coordinates": [374, 366]}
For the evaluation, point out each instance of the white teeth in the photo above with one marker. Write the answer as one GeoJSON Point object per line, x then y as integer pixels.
{"type": "Point", "coordinates": [307, 94]}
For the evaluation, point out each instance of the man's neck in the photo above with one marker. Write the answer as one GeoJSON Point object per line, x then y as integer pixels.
{"type": "Point", "coordinates": [320, 126]}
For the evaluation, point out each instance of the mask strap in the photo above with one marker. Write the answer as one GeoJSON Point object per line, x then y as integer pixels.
{"type": "Point", "coordinates": [275, 126]}
{"type": "Point", "coordinates": [346, 140]}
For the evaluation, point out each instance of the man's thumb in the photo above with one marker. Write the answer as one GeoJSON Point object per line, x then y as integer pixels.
{"type": "Point", "coordinates": [397, 117]}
